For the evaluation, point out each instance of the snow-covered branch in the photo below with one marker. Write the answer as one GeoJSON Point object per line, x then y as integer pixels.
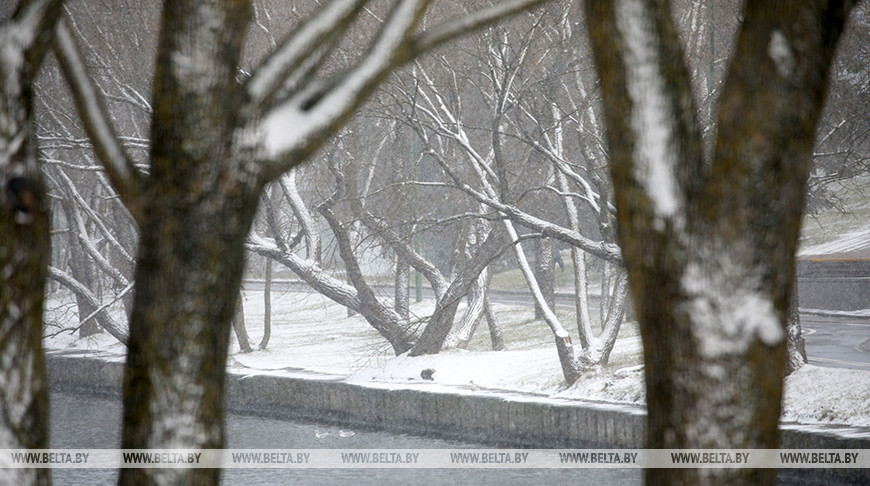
{"type": "Point", "coordinates": [404, 249]}
{"type": "Point", "coordinates": [309, 227]}
{"type": "Point", "coordinates": [298, 125]}
{"type": "Point", "coordinates": [77, 197]}
{"type": "Point", "coordinates": [301, 50]}
{"type": "Point", "coordinates": [119, 166]}
{"type": "Point", "coordinates": [100, 314]}
{"type": "Point", "coordinates": [603, 250]}
{"type": "Point", "coordinates": [307, 270]}
{"type": "Point", "coordinates": [294, 127]}
{"type": "Point", "coordinates": [468, 23]}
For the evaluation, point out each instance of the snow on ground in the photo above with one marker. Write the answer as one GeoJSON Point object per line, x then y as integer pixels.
{"type": "Point", "coordinates": [310, 334]}
{"type": "Point", "coordinates": [854, 245]}
{"type": "Point", "coordinates": [815, 394]}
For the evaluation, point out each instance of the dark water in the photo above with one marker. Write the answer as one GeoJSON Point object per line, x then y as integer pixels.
{"type": "Point", "coordinates": [83, 422]}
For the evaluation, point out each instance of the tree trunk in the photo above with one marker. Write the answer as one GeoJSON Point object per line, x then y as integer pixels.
{"type": "Point", "coordinates": [495, 336]}
{"type": "Point", "coordinates": [401, 292]}
{"type": "Point", "coordinates": [710, 245]}
{"type": "Point", "coordinates": [460, 336]}
{"type": "Point", "coordinates": [179, 331]}
{"type": "Point", "coordinates": [267, 305]}
{"type": "Point", "coordinates": [433, 336]}
{"type": "Point", "coordinates": [797, 353]}
{"type": "Point", "coordinates": [24, 246]}
{"type": "Point", "coordinates": [80, 269]}
{"type": "Point", "coordinates": [239, 327]}
{"type": "Point", "coordinates": [173, 382]}
{"type": "Point", "coordinates": [545, 272]}
{"type": "Point", "coordinates": [581, 298]}
{"type": "Point", "coordinates": [127, 236]}
{"type": "Point", "coordinates": [199, 201]}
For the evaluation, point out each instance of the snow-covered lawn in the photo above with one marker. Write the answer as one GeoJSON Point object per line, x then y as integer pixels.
{"type": "Point", "coordinates": [312, 334]}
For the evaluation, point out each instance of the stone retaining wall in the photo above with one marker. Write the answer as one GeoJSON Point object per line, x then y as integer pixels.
{"type": "Point", "coordinates": [503, 419]}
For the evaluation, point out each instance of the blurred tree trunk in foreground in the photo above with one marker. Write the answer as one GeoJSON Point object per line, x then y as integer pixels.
{"type": "Point", "coordinates": [24, 244]}
{"type": "Point", "coordinates": [710, 245]}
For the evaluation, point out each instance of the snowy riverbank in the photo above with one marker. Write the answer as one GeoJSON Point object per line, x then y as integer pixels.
{"type": "Point", "coordinates": [311, 334]}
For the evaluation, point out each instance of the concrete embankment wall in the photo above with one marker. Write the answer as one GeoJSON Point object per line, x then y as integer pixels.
{"type": "Point", "coordinates": [834, 284]}
{"type": "Point", "coordinates": [504, 419]}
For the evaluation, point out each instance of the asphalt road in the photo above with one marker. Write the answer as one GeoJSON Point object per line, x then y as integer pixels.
{"type": "Point", "coordinates": [838, 341]}
{"type": "Point", "coordinates": [831, 340]}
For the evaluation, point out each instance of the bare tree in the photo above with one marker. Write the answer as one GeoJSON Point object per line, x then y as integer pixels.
{"type": "Point", "coordinates": [446, 113]}
{"type": "Point", "coordinates": [215, 144]}
{"type": "Point", "coordinates": [357, 295]}
{"type": "Point", "coordinates": [350, 210]}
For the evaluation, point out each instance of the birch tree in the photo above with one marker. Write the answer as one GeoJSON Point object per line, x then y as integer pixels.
{"type": "Point", "coordinates": [215, 143]}
{"type": "Point", "coordinates": [710, 244]}
{"type": "Point", "coordinates": [25, 35]}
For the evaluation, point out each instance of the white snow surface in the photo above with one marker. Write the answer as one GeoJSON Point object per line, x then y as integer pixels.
{"type": "Point", "coordinates": [313, 337]}
{"type": "Point", "coordinates": [854, 241]}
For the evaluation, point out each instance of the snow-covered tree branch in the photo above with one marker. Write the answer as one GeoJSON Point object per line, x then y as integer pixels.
{"type": "Point", "coordinates": [120, 168]}
{"type": "Point", "coordinates": [294, 127]}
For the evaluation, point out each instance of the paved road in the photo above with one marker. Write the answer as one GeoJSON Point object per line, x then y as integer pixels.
{"type": "Point", "coordinates": [839, 341]}
{"type": "Point", "coordinates": [835, 341]}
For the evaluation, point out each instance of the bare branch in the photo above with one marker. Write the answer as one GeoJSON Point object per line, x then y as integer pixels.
{"type": "Point", "coordinates": [97, 221]}
{"type": "Point", "coordinates": [296, 52]}
{"type": "Point", "coordinates": [103, 317]}
{"type": "Point", "coordinates": [603, 250]}
{"type": "Point", "coordinates": [451, 29]}
{"type": "Point", "coordinates": [295, 128]}
{"type": "Point", "coordinates": [119, 166]}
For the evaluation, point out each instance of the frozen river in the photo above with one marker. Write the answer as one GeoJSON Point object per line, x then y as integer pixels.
{"type": "Point", "coordinates": [84, 422]}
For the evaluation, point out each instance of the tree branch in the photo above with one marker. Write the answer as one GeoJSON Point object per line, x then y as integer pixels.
{"type": "Point", "coordinates": [300, 51]}
{"type": "Point", "coordinates": [603, 250]}
{"type": "Point", "coordinates": [119, 166]}
{"type": "Point", "coordinates": [295, 128]}
{"type": "Point", "coordinates": [103, 317]}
